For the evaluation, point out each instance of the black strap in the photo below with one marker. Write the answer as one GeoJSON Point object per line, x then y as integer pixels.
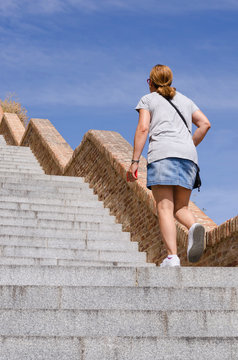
{"type": "Point", "coordinates": [198, 182]}
{"type": "Point", "coordinates": [182, 117]}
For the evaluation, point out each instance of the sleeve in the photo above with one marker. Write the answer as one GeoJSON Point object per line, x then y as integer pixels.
{"type": "Point", "coordinates": [194, 107]}
{"type": "Point", "coordinates": [144, 103]}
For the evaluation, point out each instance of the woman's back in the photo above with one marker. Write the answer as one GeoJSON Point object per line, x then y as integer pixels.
{"type": "Point", "coordinates": [168, 135]}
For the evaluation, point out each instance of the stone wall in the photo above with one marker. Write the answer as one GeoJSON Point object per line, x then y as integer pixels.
{"type": "Point", "coordinates": [103, 158]}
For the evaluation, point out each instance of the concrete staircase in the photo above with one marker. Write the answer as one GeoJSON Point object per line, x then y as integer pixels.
{"type": "Point", "coordinates": [73, 286]}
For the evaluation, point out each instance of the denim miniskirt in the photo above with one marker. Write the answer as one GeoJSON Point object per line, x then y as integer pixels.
{"type": "Point", "coordinates": [172, 171]}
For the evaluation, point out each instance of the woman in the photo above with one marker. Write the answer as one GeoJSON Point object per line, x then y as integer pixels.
{"type": "Point", "coordinates": [172, 159]}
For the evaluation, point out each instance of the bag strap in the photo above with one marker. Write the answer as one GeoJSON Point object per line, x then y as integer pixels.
{"type": "Point", "coordinates": [182, 117]}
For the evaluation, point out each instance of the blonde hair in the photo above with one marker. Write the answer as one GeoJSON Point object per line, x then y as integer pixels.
{"type": "Point", "coordinates": [162, 77]}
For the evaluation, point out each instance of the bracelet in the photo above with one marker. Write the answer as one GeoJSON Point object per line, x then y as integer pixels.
{"type": "Point", "coordinates": [135, 161]}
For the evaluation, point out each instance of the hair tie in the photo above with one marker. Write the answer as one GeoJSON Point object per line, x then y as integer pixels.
{"type": "Point", "coordinates": [164, 85]}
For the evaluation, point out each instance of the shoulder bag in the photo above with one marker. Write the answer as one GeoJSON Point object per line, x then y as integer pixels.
{"type": "Point", "coordinates": [198, 181]}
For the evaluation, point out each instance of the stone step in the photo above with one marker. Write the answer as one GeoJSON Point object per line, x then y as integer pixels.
{"type": "Point", "coordinates": [54, 194]}
{"type": "Point", "coordinates": [45, 188]}
{"type": "Point", "coordinates": [18, 159]}
{"type": "Point", "coordinates": [73, 226]}
{"type": "Point", "coordinates": [17, 147]}
{"type": "Point", "coordinates": [64, 233]}
{"type": "Point", "coordinates": [44, 177]}
{"type": "Point", "coordinates": [116, 348]}
{"type": "Point", "coordinates": [23, 161]}
{"type": "Point", "coordinates": [12, 181]}
{"type": "Point", "coordinates": [22, 171]}
{"type": "Point", "coordinates": [133, 323]}
{"type": "Point", "coordinates": [2, 141]}
{"type": "Point", "coordinates": [9, 260]}
{"type": "Point", "coordinates": [17, 165]}
{"type": "Point", "coordinates": [83, 207]}
{"type": "Point", "coordinates": [101, 244]}
{"type": "Point", "coordinates": [17, 156]}
{"type": "Point", "coordinates": [183, 277]}
{"type": "Point", "coordinates": [72, 254]}
{"type": "Point", "coordinates": [12, 149]}
{"type": "Point", "coordinates": [118, 298]}
{"type": "Point", "coordinates": [58, 216]}
{"type": "Point", "coordinates": [33, 193]}
{"type": "Point", "coordinates": [26, 201]}
{"type": "Point", "coordinates": [20, 167]}
{"type": "Point", "coordinates": [16, 153]}
{"type": "Point", "coordinates": [40, 348]}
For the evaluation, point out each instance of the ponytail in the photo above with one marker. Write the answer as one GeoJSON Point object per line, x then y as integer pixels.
{"type": "Point", "coordinates": [166, 91]}
{"type": "Point", "coordinates": [162, 77]}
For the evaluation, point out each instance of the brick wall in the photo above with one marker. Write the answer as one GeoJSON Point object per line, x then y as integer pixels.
{"type": "Point", "coordinates": [103, 158]}
{"type": "Point", "coordinates": [1, 114]}
{"type": "Point", "coordinates": [49, 147]}
{"type": "Point", "coordinates": [12, 128]}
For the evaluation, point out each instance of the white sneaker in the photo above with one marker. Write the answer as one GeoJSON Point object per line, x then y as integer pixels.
{"type": "Point", "coordinates": [195, 249]}
{"type": "Point", "coordinates": [170, 261]}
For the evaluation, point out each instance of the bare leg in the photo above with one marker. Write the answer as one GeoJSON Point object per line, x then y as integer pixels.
{"type": "Point", "coordinates": [164, 197]}
{"type": "Point", "coordinates": [181, 211]}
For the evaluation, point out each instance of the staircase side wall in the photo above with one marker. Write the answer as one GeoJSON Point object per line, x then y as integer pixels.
{"type": "Point", "coordinates": [49, 147]}
{"type": "Point", "coordinates": [103, 158]}
{"type": "Point", "coordinates": [1, 114]}
{"type": "Point", "coordinates": [222, 245]}
{"type": "Point", "coordinates": [12, 129]}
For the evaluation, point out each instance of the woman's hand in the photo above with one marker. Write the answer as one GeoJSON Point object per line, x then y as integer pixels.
{"type": "Point", "coordinates": [132, 172]}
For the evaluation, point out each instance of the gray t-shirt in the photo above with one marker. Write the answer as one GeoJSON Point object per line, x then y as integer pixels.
{"type": "Point", "coordinates": [168, 135]}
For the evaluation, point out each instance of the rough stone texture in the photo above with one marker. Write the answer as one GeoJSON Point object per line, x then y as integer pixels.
{"type": "Point", "coordinates": [127, 276]}
{"type": "Point", "coordinates": [151, 348]}
{"type": "Point", "coordinates": [116, 348]}
{"type": "Point", "coordinates": [12, 128]}
{"type": "Point", "coordinates": [50, 148]}
{"type": "Point", "coordinates": [118, 297]}
{"type": "Point", "coordinates": [40, 348]}
{"type": "Point", "coordinates": [133, 323]}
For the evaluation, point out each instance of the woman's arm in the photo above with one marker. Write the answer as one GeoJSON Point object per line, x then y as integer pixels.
{"type": "Point", "coordinates": [203, 125]}
{"type": "Point", "coordinates": [139, 140]}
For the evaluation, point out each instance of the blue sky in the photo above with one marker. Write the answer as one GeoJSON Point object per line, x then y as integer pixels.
{"type": "Point", "coordinates": [84, 64]}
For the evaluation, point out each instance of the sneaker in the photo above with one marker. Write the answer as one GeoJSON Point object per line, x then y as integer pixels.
{"type": "Point", "coordinates": [170, 261]}
{"type": "Point", "coordinates": [195, 249]}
